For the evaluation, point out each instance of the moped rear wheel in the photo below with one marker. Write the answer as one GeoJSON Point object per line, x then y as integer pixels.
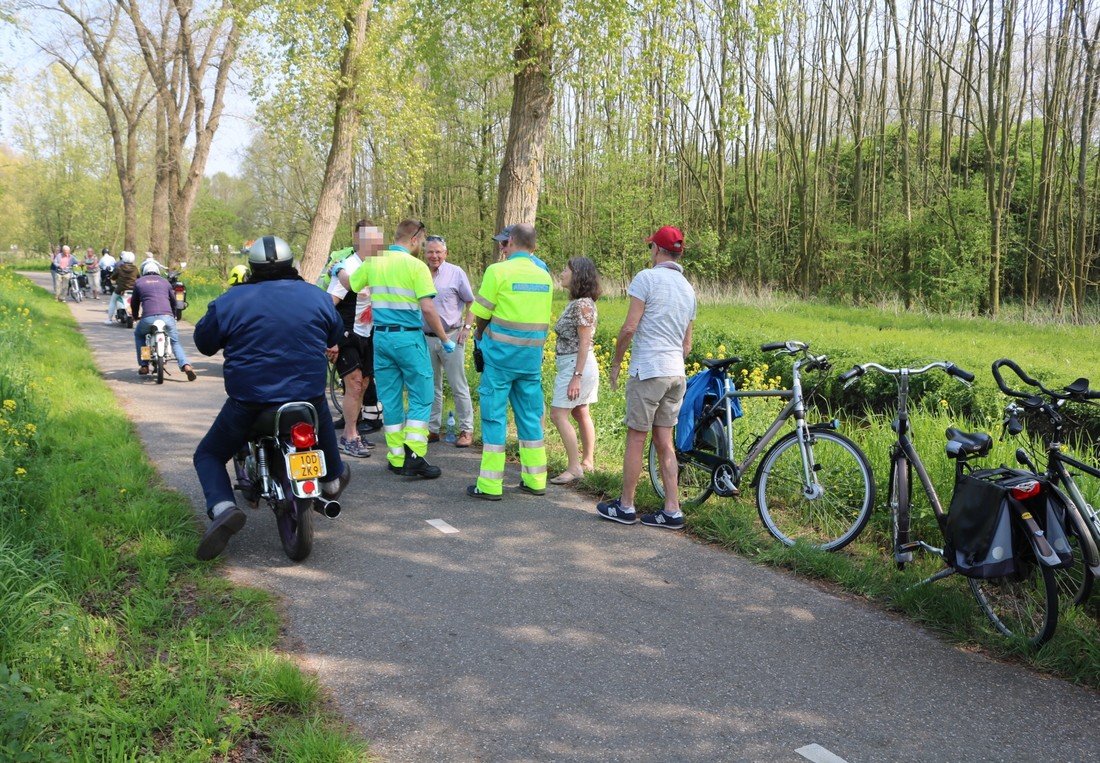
{"type": "Point", "coordinates": [294, 517]}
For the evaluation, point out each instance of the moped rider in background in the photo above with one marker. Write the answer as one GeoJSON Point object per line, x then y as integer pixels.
{"type": "Point", "coordinates": [277, 333]}
{"type": "Point", "coordinates": [106, 271]}
{"type": "Point", "coordinates": [153, 299]}
{"type": "Point", "coordinates": [124, 277]}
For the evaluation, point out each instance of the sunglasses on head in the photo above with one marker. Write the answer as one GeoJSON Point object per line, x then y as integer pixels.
{"type": "Point", "coordinates": [439, 239]}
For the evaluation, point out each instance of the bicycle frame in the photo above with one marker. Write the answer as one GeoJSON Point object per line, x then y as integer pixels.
{"type": "Point", "coordinates": [795, 408]}
{"type": "Point", "coordinates": [904, 448]}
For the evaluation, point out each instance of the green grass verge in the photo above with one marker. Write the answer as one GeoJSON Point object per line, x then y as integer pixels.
{"type": "Point", "coordinates": [115, 644]}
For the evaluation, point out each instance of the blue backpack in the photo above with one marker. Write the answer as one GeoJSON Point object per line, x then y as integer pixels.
{"type": "Point", "coordinates": [703, 388]}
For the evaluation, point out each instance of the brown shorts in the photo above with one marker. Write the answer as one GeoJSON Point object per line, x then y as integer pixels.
{"type": "Point", "coordinates": [653, 402]}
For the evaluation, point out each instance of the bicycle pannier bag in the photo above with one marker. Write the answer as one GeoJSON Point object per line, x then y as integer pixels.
{"type": "Point", "coordinates": [986, 535]}
{"type": "Point", "coordinates": [702, 390]}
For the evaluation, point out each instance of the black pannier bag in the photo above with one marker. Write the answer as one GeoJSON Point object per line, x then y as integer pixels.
{"type": "Point", "coordinates": [992, 529]}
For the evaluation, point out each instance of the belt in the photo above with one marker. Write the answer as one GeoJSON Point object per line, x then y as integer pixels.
{"type": "Point", "coordinates": [397, 328]}
{"type": "Point", "coordinates": [435, 335]}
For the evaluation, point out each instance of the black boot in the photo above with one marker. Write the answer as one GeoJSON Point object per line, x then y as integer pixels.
{"type": "Point", "coordinates": [416, 466]}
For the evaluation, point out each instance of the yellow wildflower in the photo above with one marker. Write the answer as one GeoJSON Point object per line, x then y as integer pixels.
{"type": "Point", "coordinates": [20, 471]}
{"type": "Point", "coordinates": [9, 405]}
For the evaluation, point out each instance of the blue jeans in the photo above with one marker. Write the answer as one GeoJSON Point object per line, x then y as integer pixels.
{"type": "Point", "coordinates": [145, 326]}
{"type": "Point", "coordinates": [229, 433]}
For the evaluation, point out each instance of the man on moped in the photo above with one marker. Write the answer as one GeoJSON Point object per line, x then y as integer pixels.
{"type": "Point", "coordinates": [276, 334]}
{"type": "Point", "coordinates": [124, 277]}
{"type": "Point", "coordinates": [155, 299]}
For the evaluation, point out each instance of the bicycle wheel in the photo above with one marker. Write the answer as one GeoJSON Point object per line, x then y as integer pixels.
{"type": "Point", "coordinates": [692, 477]}
{"type": "Point", "coordinates": [827, 515]}
{"type": "Point", "coordinates": [1075, 582]}
{"type": "Point", "coordinates": [901, 501]}
{"type": "Point", "coordinates": [1023, 605]}
{"type": "Point", "coordinates": [336, 393]}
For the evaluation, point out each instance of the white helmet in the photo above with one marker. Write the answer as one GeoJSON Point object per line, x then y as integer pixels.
{"type": "Point", "coordinates": [127, 257]}
{"type": "Point", "coordinates": [270, 252]}
{"type": "Point", "coordinates": [150, 268]}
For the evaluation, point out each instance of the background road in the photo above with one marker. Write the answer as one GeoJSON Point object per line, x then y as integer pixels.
{"type": "Point", "coordinates": [539, 632]}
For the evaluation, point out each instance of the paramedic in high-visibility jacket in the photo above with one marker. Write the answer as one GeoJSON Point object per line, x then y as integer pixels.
{"type": "Point", "coordinates": [512, 309]}
{"type": "Point", "coordinates": [401, 290]}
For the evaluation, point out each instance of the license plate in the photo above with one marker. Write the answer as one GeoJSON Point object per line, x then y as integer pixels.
{"type": "Point", "coordinates": [146, 353]}
{"type": "Point", "coordinates": [307, 465]}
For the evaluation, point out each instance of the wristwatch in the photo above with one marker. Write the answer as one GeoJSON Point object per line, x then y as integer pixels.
{"type": "Point", "coordinates": [468, 327]}
{"type": "Point", "coordinates": [578, 373]}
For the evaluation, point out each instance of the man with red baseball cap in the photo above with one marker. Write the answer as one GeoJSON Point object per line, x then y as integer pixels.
{"type": "Point", "coordinates": [658, 322]}
{"type": "Point", "coordinates": [668, 238]}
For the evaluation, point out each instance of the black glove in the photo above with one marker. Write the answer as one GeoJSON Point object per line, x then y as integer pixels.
{"type": "Point", "coordinates": [479, 359]}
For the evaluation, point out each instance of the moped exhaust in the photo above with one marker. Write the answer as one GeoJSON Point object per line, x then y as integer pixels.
{"type": "Point", "coordinates": [327, 507]}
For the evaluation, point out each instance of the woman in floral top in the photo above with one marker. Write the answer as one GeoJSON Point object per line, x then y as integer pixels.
{"type": "Point", "coordinates": [575, 386]}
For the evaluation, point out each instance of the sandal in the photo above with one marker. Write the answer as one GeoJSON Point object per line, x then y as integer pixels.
{"type": "Point", "coordinates": [565, 478]}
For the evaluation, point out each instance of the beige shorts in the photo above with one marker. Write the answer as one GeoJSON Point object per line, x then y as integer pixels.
{"type": "Point", "coordinates": [653, 402]}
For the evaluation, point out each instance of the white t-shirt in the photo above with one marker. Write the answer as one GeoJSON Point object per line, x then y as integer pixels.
{"type": "Point", "coordinates": [658, 348]}
{"type": "Point", "coordinates": [106, 261]}
{"type": "Point", "coordinates": [364, 322]}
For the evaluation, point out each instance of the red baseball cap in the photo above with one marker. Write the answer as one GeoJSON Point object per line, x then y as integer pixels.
{"type": "Point", "coordinates": [668, 238]}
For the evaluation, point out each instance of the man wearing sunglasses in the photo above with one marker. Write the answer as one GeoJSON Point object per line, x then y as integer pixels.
{"type": "Point", "coordinates": [453, 297]}
{"type": "Point", "coordinates": [502, 248]}
{"type": "Point", "coordinates": [513, 318]}
{"type": "Point", "coordinates": [401, 291]}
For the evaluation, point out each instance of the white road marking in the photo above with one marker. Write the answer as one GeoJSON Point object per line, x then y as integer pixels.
{"type": "Point", "coordinates": [819, 754]}
{"type": "Point", "coordinates": [445, 528]}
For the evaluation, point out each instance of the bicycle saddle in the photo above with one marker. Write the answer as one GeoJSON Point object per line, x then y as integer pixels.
{"type": "Point", "coordinates": [721, 364]}
{"type": "Point", "coordinates": [961, 444]}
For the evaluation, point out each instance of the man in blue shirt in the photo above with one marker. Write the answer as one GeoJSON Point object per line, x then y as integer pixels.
{"type": "Point", "coordinates": [275, 333]}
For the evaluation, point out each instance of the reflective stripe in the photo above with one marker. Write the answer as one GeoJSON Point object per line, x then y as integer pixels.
{"type": "Point", "coordinates": [533, 469]}
{"type": "Point", "coordinates": [516, 325]}
{"type": "Point", "coordinates": [485, 303]}
{"type": "Point", "coordinates": [415, 437]}
{"type": "Point", "coordinates": [413, 424]}
{"type": "Point", "coordinates": [393, 428]}
{"type": "Point", "coordinates": [532, 443]}
{"type": "Point", "coordinates": [392, 290]}
{"type": "Point", "coordinates": [386, 304]}
{"type": "Point", "coordinates": [514, 340]}
{"type": "Point", "coordinates": [488, 448]}
{"type": "Point", "coordinates": [488, 475]}
{"type": "Point", "coordinates": [399, 451]}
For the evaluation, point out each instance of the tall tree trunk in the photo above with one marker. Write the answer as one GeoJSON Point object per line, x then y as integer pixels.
{"type": "Point", "coordinates": [345, 129]}
{"type": "Point", "coordinates": [532, 101]}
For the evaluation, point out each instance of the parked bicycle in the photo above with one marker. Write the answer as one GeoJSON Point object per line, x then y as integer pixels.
{"type": "Point", "coordinates": [1082, 522]}
{"type": "Point", "coordinates": [813, 484]}
{"type": "Point", "coordinates": [1023, 604]}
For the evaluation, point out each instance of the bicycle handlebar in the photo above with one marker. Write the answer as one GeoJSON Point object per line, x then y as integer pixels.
{"type": "Point", "coordinates": [1077, 390]}
{"type": "Point", "coordinates": [790, 346]}
{"type": "Point", "coordinates": [950, 368]}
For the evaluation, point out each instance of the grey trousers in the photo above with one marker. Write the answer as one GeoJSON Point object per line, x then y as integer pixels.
{"type": "Point", "coordinates": [454, 365]}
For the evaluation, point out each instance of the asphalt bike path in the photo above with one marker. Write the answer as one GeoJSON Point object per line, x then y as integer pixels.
{"type": "Point", "coordinates": [532, 630]}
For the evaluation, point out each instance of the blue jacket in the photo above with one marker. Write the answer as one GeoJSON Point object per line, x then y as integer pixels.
{"type": "Point", "coordinates": [273, 335]}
